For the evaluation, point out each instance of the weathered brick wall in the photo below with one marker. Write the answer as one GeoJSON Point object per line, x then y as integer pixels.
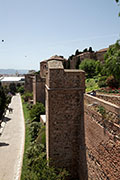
{"type": "Point", "coordinates": [110, 98]}
{"type": "Point", "coordinates": [43, 68]}
{"type": "Point", "coordinates": [99, 55]}
{"type": "Point", "coordinates": [85, 55]}
{"type": "Point", "coordinates": [38, 89]}
{"type": "Point", "coordinates": [29, 83]}
{"type": "Point", "coordinates": [102, 139]}
{"type": "Point", "coordinates": [64, 119]}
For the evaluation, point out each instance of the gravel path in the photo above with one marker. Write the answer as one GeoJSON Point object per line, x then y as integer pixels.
{"type": "Point", "coordinates": [12, 142]}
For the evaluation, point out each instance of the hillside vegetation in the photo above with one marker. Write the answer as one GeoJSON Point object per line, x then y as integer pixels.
{"type": "Point", "coordinates": [105, 74]}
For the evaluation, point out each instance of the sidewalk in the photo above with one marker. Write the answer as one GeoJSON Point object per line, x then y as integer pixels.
{"type": "Point", "coordinates": [12, 142]}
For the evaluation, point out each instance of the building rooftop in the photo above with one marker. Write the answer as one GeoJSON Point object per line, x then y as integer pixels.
{"type": "Point", "coordinates": [103, 50]}
{"type": "Point", "coordinates": [55, 57]}
{"type": "Point", "coordinates": [12, 79]}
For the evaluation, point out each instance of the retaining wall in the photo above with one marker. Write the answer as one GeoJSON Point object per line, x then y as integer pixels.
{"type": "Point", "coordinates": [110, 98]}
{"type": "Point", "coordinates": [102, 136]}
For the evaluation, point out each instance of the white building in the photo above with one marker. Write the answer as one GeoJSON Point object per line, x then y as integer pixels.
{"type": "Point", "coordinates": [6, 81]}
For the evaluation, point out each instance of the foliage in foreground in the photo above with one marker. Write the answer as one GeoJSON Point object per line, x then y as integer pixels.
{"type": "Point", "coordinates": [35, 165]}
{"type": "Point", "coordinates": [2, 101]}
{"type": "Point", "coordinates": [27, 95]}
{"type": "Point", "coordinates": [37, 110]}
{"type": "Point", "coordinates": [5, 99]}
{"type": "Point", "coordinates": [112, 61]}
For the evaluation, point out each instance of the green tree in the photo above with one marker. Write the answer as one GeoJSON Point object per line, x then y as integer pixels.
{"type": "Point", "coordinates": [21, 89]}
{"type": "Point", "coordinates": [117, 1]}
{"type": "Point", "coordinates": [112, 61]}
{"type": "Point", "coordinates": [77, 52]}
{"type": "Point", "coordinates": [12, 88]}
{"type": "Point", "coordinates": [90, 49]}
{"type": "Point", "coordinates": [3, 101]}
{"type": "Point", "coordinates": [89, 66]}
{"type": "Point", "coordinates": [78, 63]}
{"type": "Point", "coordinates": [85, 50]}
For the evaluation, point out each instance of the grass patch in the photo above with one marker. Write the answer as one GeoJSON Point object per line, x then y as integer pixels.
{"type": "Point", "coordinates": [27, 138]}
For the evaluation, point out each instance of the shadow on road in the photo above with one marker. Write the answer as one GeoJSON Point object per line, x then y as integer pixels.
{"type": "Point", "coordinates": [6, 119]}
{"type": "Point", "coordinates": [3, 144]}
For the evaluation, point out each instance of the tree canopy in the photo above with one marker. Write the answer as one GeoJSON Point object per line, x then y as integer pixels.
{"type": "Point", "coordinates": [89, 66]}
{"type": "Point", "coordinates": [117, 1]}
{"type": "Point", "coordinates": [112, 61]}
{"type": "Point", "coordinates": [3, 101]}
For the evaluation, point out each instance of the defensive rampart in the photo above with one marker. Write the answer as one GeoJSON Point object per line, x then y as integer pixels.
{"type": "Point", "coordinates": [38, 89]}
{"type": "Point", "coordinates": [102, 135]}
{"type": "Point", "coordinates": [110, 98]}
{"type": "Point", "coordinates": [65, 136]}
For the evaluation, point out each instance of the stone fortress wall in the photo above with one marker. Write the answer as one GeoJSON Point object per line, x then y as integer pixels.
{"type": "Point", "coordinates": [102, 137]}
{"type": "Point", "coordinates": [28, 83]}
{"type": "Point", "coordinates": [88, 146]}
{"type": "Point", "coordinates": [39, 82]}
{"type": "Point", "coordinates": [98, 55]}
{"type": "Point", "coordinates": [110, 98]}
{"type": "Point", "coordinates": [82, 132]}
{"type": "Point", "coordinates": [38, 89]}
{"type": "Point", "coordinates": [65, 119]}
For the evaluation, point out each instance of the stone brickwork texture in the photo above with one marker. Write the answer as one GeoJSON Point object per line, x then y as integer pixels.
{"type": "Point", "coordinates": [43, 68]}
{"type": "Point", "coordinates": [65, 119]}
{"type": "Point", "coordinates": [110, 98]}
{"type": "Point", "coordinates": [29, 83]}
{"type": "Point", "coordinates": [99, 55]}
{"type": "Point", "coordinates": [38, 89]}
{"type": "Point", "coordinates": [102, 140]}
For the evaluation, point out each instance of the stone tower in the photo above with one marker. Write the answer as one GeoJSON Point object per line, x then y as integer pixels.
{"type": "Point", "coordinates": [65, 119]}
{"type": "Point", "coordinates": [38, 89]}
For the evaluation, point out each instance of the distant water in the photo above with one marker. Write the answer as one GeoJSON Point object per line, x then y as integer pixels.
{"type": "Point", "coordinates": [13, 71]}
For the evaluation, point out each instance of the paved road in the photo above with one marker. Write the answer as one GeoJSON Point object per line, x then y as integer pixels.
{"type": "Point", "coordinates": [12, 142]}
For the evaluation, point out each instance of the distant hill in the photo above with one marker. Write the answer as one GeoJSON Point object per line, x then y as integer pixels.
{"type": "Point", "coordinates": [13, 71]}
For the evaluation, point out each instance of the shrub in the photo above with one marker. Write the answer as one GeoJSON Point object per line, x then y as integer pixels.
{"type": "Point", "coordinates": [34, 129]}
{"type": "Point", "coordinates": [101, 110]}
{"type": "Point", "coordinates": [41, 136]}
{"type": "Point", "coordinates": [37, 167]}
{"type": "Point", "coordinates": [111, 82]}
{"type": "Point", "coordinates": [20, 89]}
{"type": "Point", "coordinates": [102, 81]}
{"type": "Point", "coordinates": [27, 96]}
{"type": "Point", "coordinates": [91, 84]}
{"type": "Point", "coordinates": [37, 110]}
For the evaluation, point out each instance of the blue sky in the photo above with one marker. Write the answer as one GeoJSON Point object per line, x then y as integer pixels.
{"type": "Point", "coordinates": [35, 30]}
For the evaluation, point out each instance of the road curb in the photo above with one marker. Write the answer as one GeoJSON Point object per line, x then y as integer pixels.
{"type": "Point", "coordinates": [2, 127]}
